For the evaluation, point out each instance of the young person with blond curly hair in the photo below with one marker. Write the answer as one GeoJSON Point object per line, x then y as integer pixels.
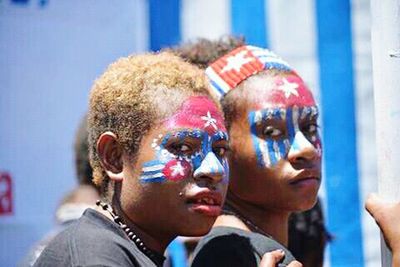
{"type": "Point", "coordinates": [158, 147]}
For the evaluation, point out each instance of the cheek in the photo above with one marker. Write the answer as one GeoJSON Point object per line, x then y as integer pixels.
{"type": "Point", "coordinates": [318, 146]}
{"type": "Point", "coordinates": [177, 170]}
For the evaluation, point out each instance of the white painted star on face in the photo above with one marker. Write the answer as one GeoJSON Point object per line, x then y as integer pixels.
{"type": "Point", "coordinates": [289, 88]}
{"type": "Point", "coordinates": [236, 62]}
{"type": "Point", "coordinates": [209, 121]}
{"type": "Point", "coordinates": [177, 169]}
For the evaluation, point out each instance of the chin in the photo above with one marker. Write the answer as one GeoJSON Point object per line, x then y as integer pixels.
{"type": "Point", "coordinates": [196, 229]}
{"type": "Point", "coordinates": [306, 204]}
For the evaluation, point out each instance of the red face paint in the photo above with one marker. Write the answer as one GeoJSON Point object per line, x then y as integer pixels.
{"type": "Point", "coordinates": [198, 112]}
{"type": "Point", "coordinates": [176, 170]}
{"type": "Point", "coordinates": [287, 91]}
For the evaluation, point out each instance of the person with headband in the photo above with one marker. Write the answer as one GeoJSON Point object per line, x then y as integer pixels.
{"type": "Point", "coordinates": [157, 144]}
{"type": "Point", "coordinates": [275, 158]}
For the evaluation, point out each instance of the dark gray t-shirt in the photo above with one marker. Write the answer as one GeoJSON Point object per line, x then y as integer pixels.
{"type": "Point", "coordinates": [94, 240]}
{"type": "Point", "coordinates": [230, 247]}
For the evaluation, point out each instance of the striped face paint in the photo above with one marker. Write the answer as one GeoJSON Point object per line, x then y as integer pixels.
{"type": "Point", "coordinates": [195, 144]}
{"type": "Point", "coordinates": [284, 119]}
{"type": "Point", "coordinates": [277, 131]}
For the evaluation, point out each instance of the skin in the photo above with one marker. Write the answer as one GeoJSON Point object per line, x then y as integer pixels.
{"type": "Point", "coordinates": [159, 210]}
{"type": "Point", "coordinates": [267, 191]}
{"type": "Point", "coordinates": [387, 216]}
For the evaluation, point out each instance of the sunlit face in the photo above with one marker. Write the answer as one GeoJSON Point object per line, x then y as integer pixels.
{"type": "Point", "coordinates": [277, 140]}
{"type": "Point", "coordinates": [182, 171]}
{"type": "Point", "coordinates": [195, 141]}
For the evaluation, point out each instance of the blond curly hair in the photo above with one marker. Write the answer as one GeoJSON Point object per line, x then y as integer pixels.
{"type": "Point", "coordinates": [135, 93]}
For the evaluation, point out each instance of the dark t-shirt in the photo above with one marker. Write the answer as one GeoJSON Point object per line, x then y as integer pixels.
{"type": "Point", "coordinates": [94, 240]}
{"type": "Point", "coordinates": [230, 247]}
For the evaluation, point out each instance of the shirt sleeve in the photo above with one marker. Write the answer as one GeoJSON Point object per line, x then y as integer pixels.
{"type": "Point", "coordinates": [227, 250]}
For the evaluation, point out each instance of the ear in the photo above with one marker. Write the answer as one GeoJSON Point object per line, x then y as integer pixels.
{"type": "Point", "coordinates": [110, 153]}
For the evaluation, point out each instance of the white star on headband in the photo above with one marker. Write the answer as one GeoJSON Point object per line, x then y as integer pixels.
{"type": "Point", "coordinates": [177, 169]}
{"type": "Point", "coordinates": [209, 121]}
{"type": "Point", "coordinates": [236, 62]}
{"type": "Point", "coordinates": [289, 88]}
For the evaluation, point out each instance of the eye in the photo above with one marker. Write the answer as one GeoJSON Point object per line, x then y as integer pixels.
{"type": "Point", "coordinates": [184, 148]}
{"type": "Point", "coordinates": [272, 132]}
{"type": "Point", "coordinates": [221, 151]}
{"type": "Point", "coordinates": [311, 128]}
{"type": "Point", "coordinates": [181, 148]}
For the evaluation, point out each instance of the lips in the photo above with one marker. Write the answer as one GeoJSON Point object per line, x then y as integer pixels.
{"type": "Point", "coordinates": [205, 202]}
{"type": "Point", "coordinates": [306, 178]}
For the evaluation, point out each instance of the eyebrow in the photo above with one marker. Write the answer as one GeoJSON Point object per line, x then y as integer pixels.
{"type": "Point", "coordinates": [220, 135]}
{"type": "Point", "coordinates": [309, 113]}
{"type": "Point", "coordinates": [258, 116]}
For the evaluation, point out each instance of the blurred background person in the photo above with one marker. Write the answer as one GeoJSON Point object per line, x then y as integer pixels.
{"type": "Point", "coordinates": [72, 205]}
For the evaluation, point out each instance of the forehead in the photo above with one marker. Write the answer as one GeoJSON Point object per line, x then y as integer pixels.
{"type": "Point", "coordinates": [197, 112]}
{"type": "Point", "coordinates": [281, 91]}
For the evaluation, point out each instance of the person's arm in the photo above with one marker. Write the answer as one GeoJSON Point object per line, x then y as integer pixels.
{"type": "Point", "coordinates": [387, 216]}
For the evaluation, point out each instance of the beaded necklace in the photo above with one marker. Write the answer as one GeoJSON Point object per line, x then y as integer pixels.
{"type": "Point", "coordinates": [131, 235]}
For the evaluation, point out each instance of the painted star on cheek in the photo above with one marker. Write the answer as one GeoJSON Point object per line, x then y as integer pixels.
{"type": "Point", "coordinates": [177, 169]}
{"type": "Point", "coordinates": [289, 88]}
{"type": "Point", "coordinates": [236, 62]}
{"type": "Point", "coordinates": [209, 121]}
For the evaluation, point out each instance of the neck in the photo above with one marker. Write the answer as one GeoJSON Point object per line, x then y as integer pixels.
{"type": "Point", "coordinates": [271, 221]}
{"type": "Point", "coordinates": [151, 239]}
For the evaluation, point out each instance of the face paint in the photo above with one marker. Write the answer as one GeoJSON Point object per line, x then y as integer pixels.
{"type": "Point", "coordinates": [270, 149]}
{"type": "Point", "coordinates": [203, 125]}
{"type": "Point", "coordinates": [286, 91]}
{"type": "Point", "coordinates": [199, 113]}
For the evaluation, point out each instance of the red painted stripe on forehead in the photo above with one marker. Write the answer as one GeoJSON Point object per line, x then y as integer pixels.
{"type": "Point", "coordinates": [288, 91]}
{"type": "Point", "coordinates": [197, 112]}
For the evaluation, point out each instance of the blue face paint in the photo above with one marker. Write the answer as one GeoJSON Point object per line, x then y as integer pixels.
{"type": "Point", "coordinates": [177, 165]}
{"type": "Point", "coordinates": [269, 150]}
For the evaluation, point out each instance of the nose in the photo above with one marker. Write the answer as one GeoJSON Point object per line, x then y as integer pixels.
{"type": "Point", "coordinates": [211, 168]}
{"type": "Point", "coordinates": [302, 150]}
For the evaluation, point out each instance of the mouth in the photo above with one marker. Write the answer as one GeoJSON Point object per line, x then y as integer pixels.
{"type": "Point", "coordinates": [306, 178]}
{"type": "Point", "coordinates": [207, 202]}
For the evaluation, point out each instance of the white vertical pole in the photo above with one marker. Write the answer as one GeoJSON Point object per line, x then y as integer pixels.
{"type": "Point", "coordinates": [385, 35]}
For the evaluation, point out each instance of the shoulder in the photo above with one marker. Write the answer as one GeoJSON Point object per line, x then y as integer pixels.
{"type": "Point", "coordinates": [224, 246]}
{"type": "Point", "coordinates": [233, 244]}
{"type": "Point", "coordinates": [92, 240]}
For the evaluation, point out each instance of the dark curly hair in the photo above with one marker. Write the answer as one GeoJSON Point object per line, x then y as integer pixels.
{"type": "Point", "coordinates": [202, 52]}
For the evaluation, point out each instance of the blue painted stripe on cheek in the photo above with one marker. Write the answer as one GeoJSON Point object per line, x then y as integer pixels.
{"type": "Point", "coordinates": [282, 148]}
{"type": "Point", "coordinates": [153, 180]}
{"type": "Point", "coordinates": [196, 161]}
{"type": "Point", "coordinates": [271, 152]}
{"type": "Point", "coordinates": [255, 139]}
{"type": "Point", "coordinates": [289, 124]}
{"type": "Point", "coordinates": [151, 163]}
